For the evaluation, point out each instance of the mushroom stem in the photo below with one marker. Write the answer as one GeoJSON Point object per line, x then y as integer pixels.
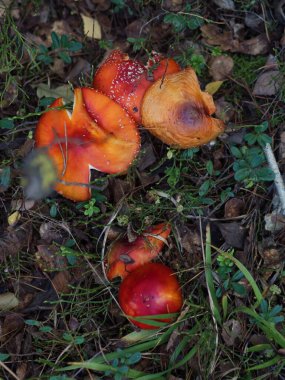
{"type": "Point", "coordinates": [278, 180]}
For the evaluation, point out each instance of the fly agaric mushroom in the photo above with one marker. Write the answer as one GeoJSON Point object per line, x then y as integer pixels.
{"type": "Point", "coordinates": [124, 257]}
{"type": "Point", "coordinates": [126, 80]}
{"type": "Point", "coordinates": [151, 289]}
{"type": "Point", "coordinates": [107, 141]}
{"type": "Point", "coordinates": [177, 112]}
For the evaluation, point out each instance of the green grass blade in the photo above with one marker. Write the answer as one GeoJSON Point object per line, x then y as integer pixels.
{"type": "Point", "coordinates": [267, 327]}
{"type": "Point", "coordinates": [259, 347]}
{"type": "Point", "coordinates": [267, 364]}
{"type": "Point", "coordinates": [209, 278]}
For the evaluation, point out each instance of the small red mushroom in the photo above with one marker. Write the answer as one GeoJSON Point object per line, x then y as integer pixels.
{"type": "Point", "coordinates": [124, 257]}
{"type": "Point", "coordinates": [107, 141]}
{"type": "Point", "coordinates": [126, 80]}
{"type": "Point", "coordinates": [151, 289]}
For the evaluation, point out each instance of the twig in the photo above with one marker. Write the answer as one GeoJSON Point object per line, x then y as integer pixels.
{"type": "Point", "coordinates": [3, 365]}
{"type": "Point", "coordinates": [278, 180]}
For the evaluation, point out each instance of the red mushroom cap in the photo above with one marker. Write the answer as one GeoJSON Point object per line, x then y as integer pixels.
{"type": "Point", "coordinates": [162, 66]}
{"type": "Point", "coordinates": [124, 257]}
{"type": "Point", "coordinates": [78, 142]}
{"type": "Point", "coordinates": [151, 289]}
{"type": "Point", "coordinates": [126, 80]}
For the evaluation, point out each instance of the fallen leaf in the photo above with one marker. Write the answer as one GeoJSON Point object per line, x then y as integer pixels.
{"type": "Point", "coordinates": [231, 331]}
{"type": "Point", "coordinates": [213, 87]}
{"type": "Point", "coordinates": [12, 324]}
{"type": "Point", "coordinates": [274, 221]}
{"type": "Point", "coordinates": [49, 259]}
{"type": "Point", "coordinates": [60, 27]}
{"type": "Point", "coordinates": [54, 232]}
{"type": "Point", "coordinates": [64, 91]}
{"type": "Point", "coordinates": [4, 6]}
{"type": "Point", "coordinates": [254, 21]}
{"type": "Point", "coordinates": [254, 46]}
{"type": "Point", "coordinates": [22, 204]}
{"type": "Point", "coordinates": [101, 5]}
{"type": "Point", "coordinates": [8, 301]}
{"type": "Point", "coordinates": [221, 67]}
{"type": "Point", "coordinates": [91, 27]}
{"type": "Point", "coordinates": [58, 67]}
{"type": "Point", "coordinates": [14, 240]}
{"type": "Point", "coordinates": [224, 110]}
{"type": "Point", "coordinates": [268, 83]}
{"type": "Point", "coordinates": [147, 157]}
{"type": "Point", "coordinates": [61, 282]}
{"type": "Point", "coordinates": [21, 371]}
{"type": "Point", "coordinates": [233, 233]}
{"type": "Point", "coordinates": [213, 35]}
{"type": "Point", "coordinates": [234, 207]}
{"type": "Point", "coordinates": [14, 218]}
{"type": "Point", "coordinates": [225, 4]}
{"type": "Point", "coordinates": [81, 66]}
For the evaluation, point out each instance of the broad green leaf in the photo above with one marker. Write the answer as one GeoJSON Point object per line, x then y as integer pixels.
{"type": "Point", "coordinates": [6, 123]}
{"type": "Point", "coordinates": [55, 40]}
{"type": "Point", "coordinates": [242, 174]}
{"type": "Point", "coordinates": [265, 174]}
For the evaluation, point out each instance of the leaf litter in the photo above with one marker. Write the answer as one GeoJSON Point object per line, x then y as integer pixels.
{"type": "Point", "coordinates": [52, 283]}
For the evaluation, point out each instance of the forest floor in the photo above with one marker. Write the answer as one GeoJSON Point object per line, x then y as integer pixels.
{"type": "Point", "coordinates": [59, 315]}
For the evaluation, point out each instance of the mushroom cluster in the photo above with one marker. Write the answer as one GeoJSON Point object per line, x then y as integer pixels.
{"type": "Point", "coordinates": [148, 289]}
{"type": "Point", "coordinates": [102, 131]}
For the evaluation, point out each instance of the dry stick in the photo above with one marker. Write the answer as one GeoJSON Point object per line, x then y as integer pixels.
{"type": "Point", "coordinates": [3, 365]}
{"type": "Point", "coordinates": [278, 180]}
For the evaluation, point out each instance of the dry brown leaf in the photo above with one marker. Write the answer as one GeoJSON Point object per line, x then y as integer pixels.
{"type": "Point", "coordinates": [233, 233]}
{"type": "Point", "coordinates": [22, 204]}
{"type": "Point", "coordinates": [234, 207]}
{"type": "Point", "coordinates": [12, 324]}
{"type": "Point", "coordinates": [21, 371]}
{"type": "Point", "coordinates": [225, 4]}
{"type": "Point", "coordinates": [60, 27]}
{"type": "Point", "coordinates": [61, 282]}
{"type": "Point", "coordinates": [49, 259]}
{"type": "Point", "coordinates": [224, 110]}
{"type": "Point", "coordinates": [54, 232]}
{"type": "Point", "coordinates": [14, 240]}
{"type": "Point", "coordinates": [81, 66]}
{"type": "Point", "coordinates": [221, 67]}
{"type": "Point", "coordinates": [231, 331]}
{"type": "Point", "coordinates": [213, 35]}
{"type": "Point", "coordinates": [91, 27]}
{"type": "Point", "coordinates": [268, 83]}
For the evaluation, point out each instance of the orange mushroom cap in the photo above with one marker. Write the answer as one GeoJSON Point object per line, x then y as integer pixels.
{"type": "Point", "coordinates": [107, 141]}
{"type": "Point", "coordinates": [124, 257]}
{"type": "Point", "coordinates": [126, 80]}
{"type": "Point", "coordinates": [177, 112]}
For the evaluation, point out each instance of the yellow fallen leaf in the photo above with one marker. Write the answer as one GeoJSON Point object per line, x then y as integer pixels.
{"type": "Point", "coordinates": [8, 301]}
{"type": "Point", "coordinates": [213, 87]}
{"type": "Point", "coordinates": [91, 27]}
{"type": "Point", "coordinates": [14, 218]}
